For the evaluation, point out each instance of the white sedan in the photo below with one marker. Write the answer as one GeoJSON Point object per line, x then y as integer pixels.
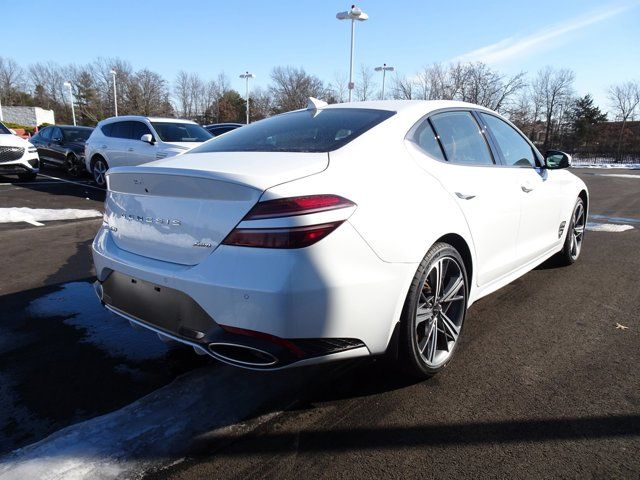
{"type": "Point", "coordinates": [335, 232]}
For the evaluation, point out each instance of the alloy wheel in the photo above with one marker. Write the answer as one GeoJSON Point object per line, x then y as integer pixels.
{"type": "Point", "coordinates": [440, 311]}
{"type": "Point", "coordinates": [577, 234]}
{"type": "Point", "coordinates": [99, 171]}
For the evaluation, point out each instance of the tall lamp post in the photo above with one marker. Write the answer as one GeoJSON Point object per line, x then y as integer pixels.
{"type": "Point", "coordinates": [247, 76]}
{"type": "Point", "coordinates": [1, 117]}
{"type": "Point", "coordinates": [384, 69]}
{"type": "Point", "coordinates": [73, 110]}
{"type": "Point", "coordinates": [115, 95]}
{"type": "Point", "coordinates": [353, 14]}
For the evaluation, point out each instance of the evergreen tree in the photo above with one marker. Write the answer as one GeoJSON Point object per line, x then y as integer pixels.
{"type": "Point", "coordinates": [585, 115]}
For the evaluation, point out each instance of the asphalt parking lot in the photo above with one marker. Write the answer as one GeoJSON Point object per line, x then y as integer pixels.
{"type": "Point", "coordinates": [545, 384]}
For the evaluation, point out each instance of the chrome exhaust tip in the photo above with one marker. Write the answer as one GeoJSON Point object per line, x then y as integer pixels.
{"type": "Point", "coordinates": [242, 355]}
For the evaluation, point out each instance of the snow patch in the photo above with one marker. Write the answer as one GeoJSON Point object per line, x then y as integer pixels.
{"type": "Point", "coordinates": [619, 175]}
{"type": "Point", "coordinates": [607, 227]}
{"type": "Point", "coordinates": [113, 335]}
{"type": "Point", "coordinates": [35, 216]}
{"type": "Point", "coordinates": [631, 166]}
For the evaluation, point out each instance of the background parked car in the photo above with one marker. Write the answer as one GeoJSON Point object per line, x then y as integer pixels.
{"type": "Point", "coordinates": [216, 129]}
{"type": "Point", "coordinates": [132, 140]}
{"type": "Point", "coordinates": [17, 156]}
{"type": "Point", "coordinates": [62, 146]}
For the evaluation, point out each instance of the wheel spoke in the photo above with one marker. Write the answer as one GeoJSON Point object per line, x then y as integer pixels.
{"type": "Point", "coordinates": [450, 294]}
{"type": "Point", "coordinates": [450, 328]}
{"type": "Point", "coordinates": [433, 343]}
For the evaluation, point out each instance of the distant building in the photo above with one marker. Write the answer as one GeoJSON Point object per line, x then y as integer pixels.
{"type": "Point", "coordinates": [28, 116]}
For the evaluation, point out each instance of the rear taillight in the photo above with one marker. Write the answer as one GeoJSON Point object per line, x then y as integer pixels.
{"type": "Point", "coordinates": [287, 207]}
{"type": "Point", "coordinates": [288, 237]}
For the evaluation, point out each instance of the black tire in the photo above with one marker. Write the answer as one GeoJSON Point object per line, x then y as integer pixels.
{"type": "Point", "coordinates": [27, 176]}
{"type": "Point", "coordinates": [99, 167]}
{"type": "Point", "coordinates": [72, 165]}
{"type": "Point", "coordinates": [570, 250]}
{"type": "Point", "coordinates": [411, 358]}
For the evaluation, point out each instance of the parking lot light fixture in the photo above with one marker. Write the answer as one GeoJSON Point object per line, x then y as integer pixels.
{"type": "Point", "coordinates": [115, 96]}
{"type": "Point", "coordinates": [384, 69]}
{"type": "Point", "coordinates": [73, 110]}
{"type": "Point", "coordinates": [354, 14]}
{"type": "Point", "coordinates": [247, 76]}
{"type": "Point", "coordinates": [1, 117]}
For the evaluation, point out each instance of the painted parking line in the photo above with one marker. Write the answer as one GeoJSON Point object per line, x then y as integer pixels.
{"type": "Point", "coordinates": [614, 219]}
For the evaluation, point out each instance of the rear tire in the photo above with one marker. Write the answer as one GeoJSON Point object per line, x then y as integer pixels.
{"type": "Point", "coordinates": [575, 234]}
{"type": "Point", "coordinates": [99, 169]}
{"type": "Point", "coordinates": [27, 176]}
{"type": "Point", "coordinates": [433, 313]}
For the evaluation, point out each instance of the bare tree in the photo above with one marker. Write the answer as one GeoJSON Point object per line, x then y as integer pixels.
{"type": "Point", "coordinates": [553, 87]}
{"type": "Point", "coordinates": [402, 88]}
{"type": "Point", "coordinates": [338, 88]}
{"type": "Point", "coordinates": [11, 80]}
{"type": "Point", "coordinates": [624, 98]}
{"type": "Point", "coordinates": [365, 85]}
{"type": "Point", "coordinates": [292, 87]}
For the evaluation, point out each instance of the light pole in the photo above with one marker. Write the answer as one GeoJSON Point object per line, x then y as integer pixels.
{"type": "Point", "coordinates": [115, 96]}
{"type": "Point", "coordinates": [1, 117]}
{"type": "Point", "coordinates": [352, 14]}
{"type": "Point", "coordinates": [247, 76]}
{"type": "Point", "coordinates": [73, 110]}
{"type": "Point", "coordinates": [384, 69]}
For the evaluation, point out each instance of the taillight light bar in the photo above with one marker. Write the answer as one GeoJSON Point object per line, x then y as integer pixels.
{"type": "Point", "coordinates": [288, 237]}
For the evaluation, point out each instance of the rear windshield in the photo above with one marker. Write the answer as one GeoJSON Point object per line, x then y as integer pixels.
{"type": "Point", "coordinates": [180, 132]}
{"type": "Point", "coordinates": [300, 131]}
{"type": "Point", "coordinates": [76, 134]}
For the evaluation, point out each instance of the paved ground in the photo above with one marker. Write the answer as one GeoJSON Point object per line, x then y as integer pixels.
{"type": "Point", "coordinates": [544, 384]}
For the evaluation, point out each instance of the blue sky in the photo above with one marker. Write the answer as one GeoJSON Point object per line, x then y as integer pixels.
{"type": "Point", "coordinates": [598, 39]}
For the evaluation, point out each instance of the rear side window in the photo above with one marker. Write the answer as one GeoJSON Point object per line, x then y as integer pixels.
{"type": "Point", "coordinates": [121, 129]}
{"type": "Point", "coordinates": [106, 129]}
{"type": "Point", "coordinates": [461, 138]}
{"type": "Point", "coordinates": [515, 150]}
{"type": "Point", "coordinates": [299, 131]}
{"type": "Point", "coordinates": [426, 139]}
{"type": "Point", "coordinates": [46, 133]}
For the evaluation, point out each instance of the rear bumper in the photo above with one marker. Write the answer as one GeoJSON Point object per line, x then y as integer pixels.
{"type": "Point", "coordinates": [335, 294]}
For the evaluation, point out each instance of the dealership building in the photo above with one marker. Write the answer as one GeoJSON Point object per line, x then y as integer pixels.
{"type": "Point", "coordinates": [28, 116]}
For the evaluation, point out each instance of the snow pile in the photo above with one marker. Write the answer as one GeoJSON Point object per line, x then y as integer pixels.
{"type": "Point", "coordinates": [607, 227]}
{"type": "Point", "coordinates": [129, 441]}
{"type": "Point", "coordinates": [35, 216]}
{"type": "Point", "coordinates": [619, 175]}
{"type": "Point", "coordinates": [586, 164]}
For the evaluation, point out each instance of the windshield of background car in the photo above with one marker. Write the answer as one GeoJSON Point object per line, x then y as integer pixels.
{"type": "Point", "coordinates": [76, 134]}
{"type": "Point", "coordinates": [300, 131]}
{"type": "Point", "coordinates": [4, 130]}
{"type": "Point", "coordinates": [181, 132]}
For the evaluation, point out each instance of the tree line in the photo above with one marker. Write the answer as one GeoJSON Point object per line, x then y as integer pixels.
{"type": "Point", "coordinates": [544, 104]}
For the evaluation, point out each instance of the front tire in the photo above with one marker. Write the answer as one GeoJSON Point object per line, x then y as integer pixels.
{"type": "Point", "coordinates": [72, 165]}
{"type": "Point", "coordinates": [575, 235]}
{"type": "Point", "coordinates": [99, 169]}
{"type": "Point", "coordinates": [434, 312]}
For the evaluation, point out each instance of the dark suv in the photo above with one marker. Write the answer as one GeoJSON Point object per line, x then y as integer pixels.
{"type": "Point", "coordinates": [62, 146]}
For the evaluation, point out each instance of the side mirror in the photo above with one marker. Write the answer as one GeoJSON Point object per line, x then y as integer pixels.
{"type": "Point", "coordinates": [57, 140]}
{"type": "Point", "coordinates": [148, 138]}
{"type": "Point", "coordinates": [555, 159]}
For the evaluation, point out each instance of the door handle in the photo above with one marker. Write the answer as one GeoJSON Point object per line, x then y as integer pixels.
{"type": "Point", "coordinates": [130, 149]}
{"type": "Point", "coordinates": [104, 146]}
{"type": "Point", "coordinates": [464, 197]}
{"type": "Point", "coordinates": [526, 188]}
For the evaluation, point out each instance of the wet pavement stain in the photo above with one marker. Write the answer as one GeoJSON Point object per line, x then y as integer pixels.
{"type": "Point", "coordinates": [64, 359]}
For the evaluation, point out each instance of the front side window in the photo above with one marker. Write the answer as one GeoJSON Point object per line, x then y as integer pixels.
{"type": "Point", "coordinates": [299, 131]}
{"type": "Point", "coordinates": [57, 134]}
{"type": "Point", "coordinates": [515, 149]}
{"type": "Point", "coordinates": [461, 138]}
{"type": "Point", "coordinates": [46, 133]}
{"type": "Point", "coordinates": [139, 129]}
{"type": "Point", "coordinates": [180, 132]}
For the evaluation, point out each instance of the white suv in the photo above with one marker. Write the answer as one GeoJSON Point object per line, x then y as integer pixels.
{"type": "Point", "coordinates": [17, 156]}
{"type": "Point", "coordinates": [132, 140]}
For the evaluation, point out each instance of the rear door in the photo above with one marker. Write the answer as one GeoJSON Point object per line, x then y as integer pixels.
{"type": "Point", "coordinates": [540, 193]}
{"type": "Point", "coordinates": [119, 144]}
{"type": "Point", "coordinates": [56, 151]}
{"type": "Point", "coordinates": [487, 194]}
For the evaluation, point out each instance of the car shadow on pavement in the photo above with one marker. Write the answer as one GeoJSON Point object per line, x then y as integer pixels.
{"type": "Point", "coordinates": [81, 187]}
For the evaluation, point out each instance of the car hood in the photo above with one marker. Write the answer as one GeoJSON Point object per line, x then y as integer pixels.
{"type": "Point", "coordinates": [9, 140]}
